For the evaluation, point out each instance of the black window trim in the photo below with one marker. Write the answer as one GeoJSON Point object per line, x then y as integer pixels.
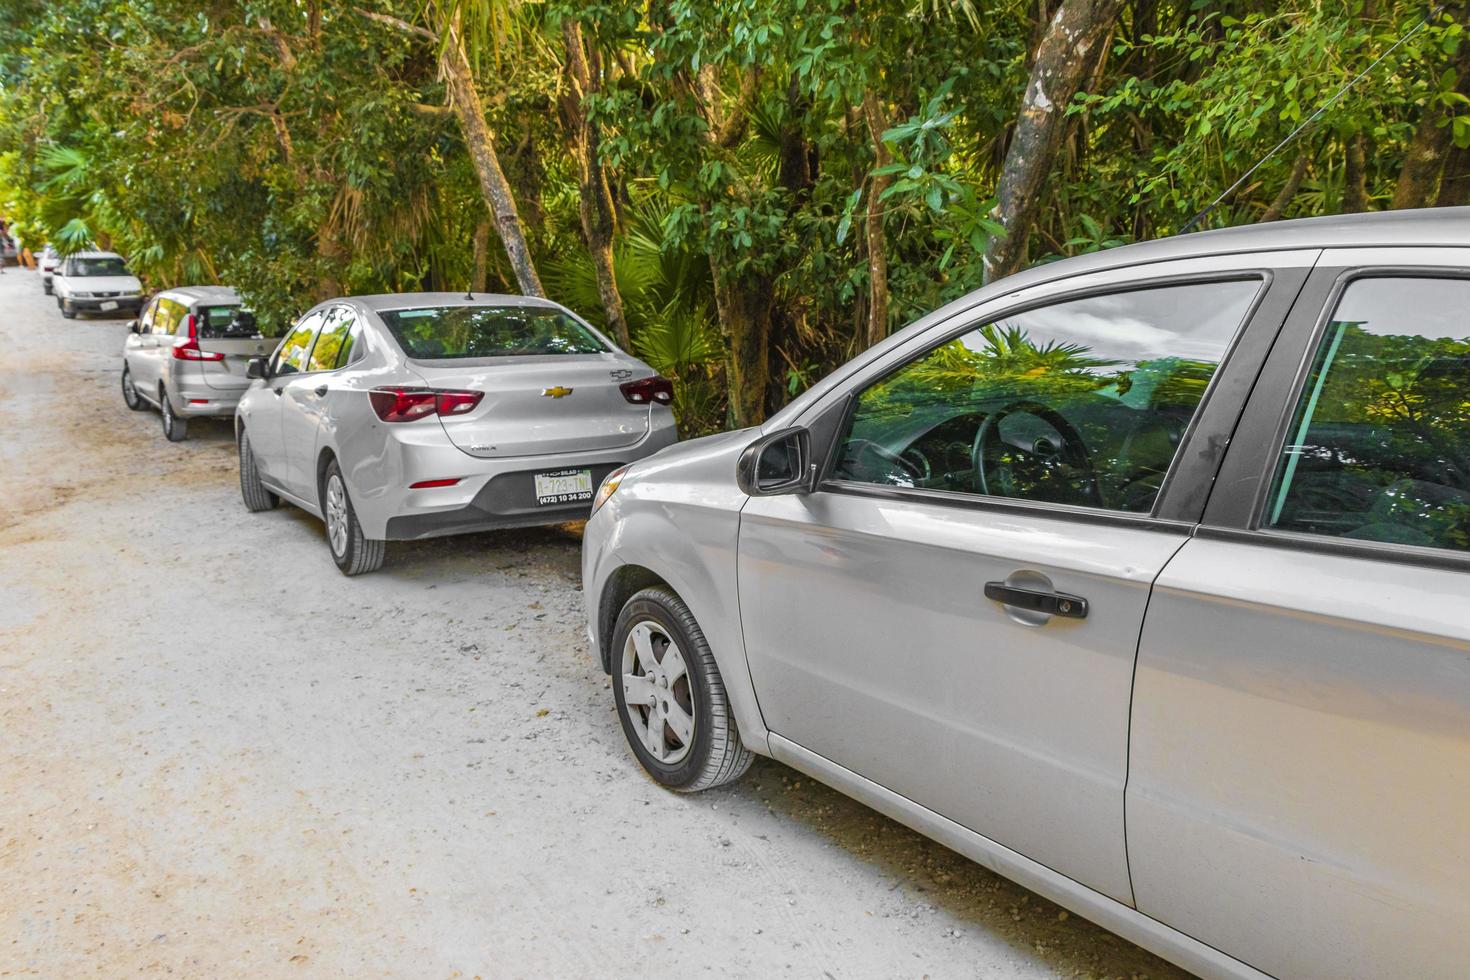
{"type": "Point", "coordinates": [1257, 330]}
{"type": "Point", "coordinates": [1263, 443]}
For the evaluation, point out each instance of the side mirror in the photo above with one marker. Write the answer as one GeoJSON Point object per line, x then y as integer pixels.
{"type": "Point", "coordinates": [258, 367]}
{"type": "Point", "coordinates": [779, 463]}
{"type": "Point", "coordinates": [133, 327]}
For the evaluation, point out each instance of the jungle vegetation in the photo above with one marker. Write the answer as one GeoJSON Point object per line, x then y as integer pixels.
{"type": "Point", "coordinates": [746, 192]}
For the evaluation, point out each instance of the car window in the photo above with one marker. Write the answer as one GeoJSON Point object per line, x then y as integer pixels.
{"type": "Point", "coordinates": [1379, 444]}
{"type": "Point", "coordinates": [334, 343]}
{"type": "Point", "coordinates": [145, 322]}
{"type": "Point", "coordinates": [167, 317]}
{"type": "Point", "coordinates": [223, 321]}
{"type": "Point", "coordinates": [106, 266]}
{"type": "Point", "coordinates": [291, 355]}
{"type": "Point", "coordinates": [441, 332]}
{"type": "Point", "coordinates": [1082, 402]}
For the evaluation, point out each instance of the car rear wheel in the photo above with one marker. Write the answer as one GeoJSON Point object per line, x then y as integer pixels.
{"type": "Point", "coordinates": [670, 697]}
{"type": "Point", "coordinates": [354, 552]}
{"type": "Point", "coordinates": [130, 392]}
{"type": "Point", "coordinates": [257, 498]}
{"type": "Point", "coordinates": [175, 429]}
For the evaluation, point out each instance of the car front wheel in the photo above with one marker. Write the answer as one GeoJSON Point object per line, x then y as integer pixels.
{"type": "Point", "coordinates": [354, 552]}
{"type": "Point", "coordinates": [130, 392]}
{"type": "Point", "coordinates": [670, 696]}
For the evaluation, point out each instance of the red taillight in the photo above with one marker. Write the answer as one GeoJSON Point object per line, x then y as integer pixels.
{"type": "Point", "coordinates": [189, 351]}
{"type": "Point", "coordinates": [427, 484]}
{"type": "Point", "coordinates": [400, 403]}
{"type": "Point", "coordinates": [645, 390]}
{"type": "Point", "coordinates": [193, 327]}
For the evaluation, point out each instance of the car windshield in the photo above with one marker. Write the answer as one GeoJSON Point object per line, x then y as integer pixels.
{"type": "Point", "coordinates": [108, 266]}
{"type": "Point", "coordinates": [442, 332]}
{"type": "Point", "coordinates": [226, 321]}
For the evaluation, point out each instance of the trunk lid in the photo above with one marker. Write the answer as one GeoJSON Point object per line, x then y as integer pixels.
{"type": "Point", "coordinates": [230, 331]}
{"type": "Point", "coordinates": [542, 404]}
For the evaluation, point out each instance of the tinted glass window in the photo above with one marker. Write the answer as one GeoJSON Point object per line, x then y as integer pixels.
{"type": "Point", "coordinates": [488, 331]}
{"type": "Point", "coordinates": [225, 321]}
{"type": "Point", "coordinates": [145, 322]}
{"type": "Point", "coordinates": [1083, 402]}
{"type": "Point", "coordinates": [167, 317]}
{"type": "Point", "coordinates": [334, 341]}
{"type": "Point", "coordinates": [1379, 444]}
{"type": "Point", "coordinates": [111, 266]}
{"type": "Point", "coordinates": [291, 355]}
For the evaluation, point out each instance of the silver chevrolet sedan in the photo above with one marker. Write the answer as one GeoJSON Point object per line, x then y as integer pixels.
{"type": "Point", "coordinates": [1142, 578]}
{"type": "Point", "coordinates": [415, 415]}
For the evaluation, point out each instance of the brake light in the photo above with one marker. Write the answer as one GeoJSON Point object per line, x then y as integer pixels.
{"type": "Point", "coordinates": [400, 403]}
{"type": "Point", "coordinates": [189, 351]}
{"type": "Point", "coordinates": [429, 484]}
{"type": "Point", "coordinates": [646, 390]}
{"type": "Point", "coordinates": [193, 327]}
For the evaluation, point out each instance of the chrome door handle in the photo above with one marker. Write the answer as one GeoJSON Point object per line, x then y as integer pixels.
{"type": "Point", "coordinates": [1050, 603]}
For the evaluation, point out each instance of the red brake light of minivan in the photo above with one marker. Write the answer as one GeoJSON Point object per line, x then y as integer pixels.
{"type": "Point", "coordinates": [400, 403]}
{"type": "Point", "coordinates": [645, 390]}
{"type": "Point", "coordinates": [189, 351]}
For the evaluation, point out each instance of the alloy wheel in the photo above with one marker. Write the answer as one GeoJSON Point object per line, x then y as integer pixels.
{"type": "Point", "coordinates": [336, 514]}
{"type": "Point", "coordinates": [168, 415]}
{"type": "Point", "coordinates": [656, 691]}
{"type": "Point", "coordinates": [130, 393]}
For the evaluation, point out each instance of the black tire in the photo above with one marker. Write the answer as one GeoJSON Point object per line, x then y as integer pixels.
{"type": "Point", "coordinates": [46, 287]}
{"type": "Point", "coordinates": [358, 554]}
{"type": "Point", "coordinates": [175, 429]}
{"type": "Point", "coordinates": [257, 498]}
{"type": "Point", "coordinates": [715, 755]}
{"type": "Point", "coordinates": [131, 398]}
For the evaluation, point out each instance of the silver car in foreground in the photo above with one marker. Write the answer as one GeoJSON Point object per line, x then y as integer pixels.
{"type": "Point", "coordinates": [1142, 578]}
{"type": "Point", "coordinates": [186, 356]}
{"type": "Point", "coordinates": [422, 414]}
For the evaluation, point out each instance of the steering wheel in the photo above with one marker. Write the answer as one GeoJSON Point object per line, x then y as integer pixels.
{"type": "Point", "coordinates": [1071, 455]}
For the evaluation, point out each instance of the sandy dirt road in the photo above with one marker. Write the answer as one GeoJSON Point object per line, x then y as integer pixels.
{"type": "Point", "coordinates": [219, 757]}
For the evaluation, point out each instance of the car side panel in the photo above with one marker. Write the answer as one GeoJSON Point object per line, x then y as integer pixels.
{"type": "Point", "coordinates": [1300, 761]}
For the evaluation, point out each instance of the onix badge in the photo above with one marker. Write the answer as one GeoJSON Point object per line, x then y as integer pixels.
{"type": "Point", "coordinates": [557, 392]}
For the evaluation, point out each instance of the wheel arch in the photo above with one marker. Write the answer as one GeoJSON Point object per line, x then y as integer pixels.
{"type": "Point", "coordinates": [622, 585]}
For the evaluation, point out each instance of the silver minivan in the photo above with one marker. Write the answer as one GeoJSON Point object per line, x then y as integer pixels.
{"type": "Point", "coordinates": [1142, 578]}
{"type": "Point", "coordinates": [186, 355]}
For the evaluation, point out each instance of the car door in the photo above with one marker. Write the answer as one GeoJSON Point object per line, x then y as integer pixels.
{"type": "Point", "coordinates": [304, 397]}
{"type": "Point", "coordinates": [135, 350]}
{"type": "Point", "coordinates": [1010, 456]}
{"type": "Point", "coordinates": [1300, 758]}
{"type": "Point", "coordinates": [265, 421]}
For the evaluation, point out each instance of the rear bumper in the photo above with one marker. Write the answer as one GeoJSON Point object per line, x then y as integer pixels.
{"type": "Point", "coordinates": [197, 399]}
{"type": "Point", "coordinates": [489, 494]}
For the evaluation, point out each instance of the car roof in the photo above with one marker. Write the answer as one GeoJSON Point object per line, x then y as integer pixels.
{"type": "Point", "coordinates": [207, 294]}
{"type": "Point", "coordinates": [401, 301]}
{"type": "Point", "coordinates": [91, 254]}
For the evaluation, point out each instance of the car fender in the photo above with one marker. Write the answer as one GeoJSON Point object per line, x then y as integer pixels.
{"type": "Point", "coordinates": [685, 529]}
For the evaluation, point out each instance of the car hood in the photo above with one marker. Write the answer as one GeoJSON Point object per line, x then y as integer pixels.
{"type": "Point", "coordinates": [105, 284]}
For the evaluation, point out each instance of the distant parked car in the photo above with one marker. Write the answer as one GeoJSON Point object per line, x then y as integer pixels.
{"type": "Point", "coordinates": [1142, 578]}
{"type": "Point", "coordinates": [47, 263]}
{"type": "Point", "coordinates": [96, 282]}
{"type": "Point", "coordinates": [424, 414]}
{"type": "Point", "coordinates": [187, 354]}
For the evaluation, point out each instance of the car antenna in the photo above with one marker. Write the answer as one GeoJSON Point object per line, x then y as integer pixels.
{"type": "Point", "coordinates": [469, 295]}
{"type": "Point", "coordinates": [1434, 12]}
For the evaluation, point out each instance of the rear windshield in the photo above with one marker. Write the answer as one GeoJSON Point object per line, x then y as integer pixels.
{"type": "Point", "coordinates": [440, 332]}
{"type": "Point", "coordinates": [226, 321]}
{"type": "Point", "coordinates": [99, 267]}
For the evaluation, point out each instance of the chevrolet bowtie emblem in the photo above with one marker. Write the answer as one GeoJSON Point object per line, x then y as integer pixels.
{"type": "Point", "coordinates": [557, 392]}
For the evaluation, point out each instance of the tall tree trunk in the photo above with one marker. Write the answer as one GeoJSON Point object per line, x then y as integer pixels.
{"type": "Point", "coordinates": [1430, 147]}
{"type": "Point", "coordinates": [460, 80]}
{"type": "Point", "coordinates": [1355, 175]}
{"type": "Point", "coordinates": [744, 308]}
{"type": "Point", "coordinates": [877, 327]}
{"type": "Point", "coordinates": [1066, 56]}
{"type": "Point", "coordinates": [1277, 207]}
{"type": "Point", "coordinates": [599, 219]}
{"type": "Point", "coordinates": [482, 255]}
{"type": "Point", "coordinates": [1454, 186]}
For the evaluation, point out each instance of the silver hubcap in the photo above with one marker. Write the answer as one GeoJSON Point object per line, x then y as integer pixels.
{"type": "Point", "coordinates": [337, 514]}
{"type": "Point", "coordinates": [656, 691]}
{"type": "Point", "coordinates": [168, 413]}
{"type": "Point", "coordinates": [129, 392]}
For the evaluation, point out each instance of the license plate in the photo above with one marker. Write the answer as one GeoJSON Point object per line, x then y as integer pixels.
{"type": "Point", "coordinates": [563, 487]}
{"type": "Point", "coordinates": [109, 305]}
